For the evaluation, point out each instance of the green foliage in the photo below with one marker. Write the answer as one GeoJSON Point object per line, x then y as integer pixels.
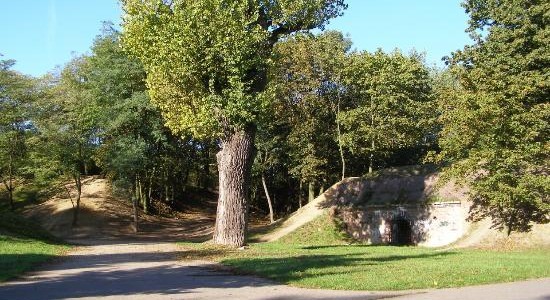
{"type": "Point", "coordinates": [16, 97]}
{"type": "Point", "coordinates": [134, 148]}
{"type": "Point", "coordinates": [393, 107]}
{"type": "Point", "coordinates": [495, 128]}
{"type": "Point", "coordinates": [66, 123]}
{"type": "Point", "coordinates": [306, 78]}
{"type": "Point", "coordinates": [207, 60]}
{"type": "Point", "coordinates": [316, 85]}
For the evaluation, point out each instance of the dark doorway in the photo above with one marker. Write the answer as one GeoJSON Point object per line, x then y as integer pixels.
{"type": "Point", "coordinates": [401, 232]}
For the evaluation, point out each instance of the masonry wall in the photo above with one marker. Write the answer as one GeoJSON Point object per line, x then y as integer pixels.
{"type": "Point", "coordinates": [432, 225]}
{"type": "Point", "coordinates": [370, 208]}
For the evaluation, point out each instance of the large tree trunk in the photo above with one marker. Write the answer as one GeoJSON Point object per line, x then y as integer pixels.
{"type": "Point", "coordinates": [234, 167]}
{"type": "Point", "coordinates": [271, 218]}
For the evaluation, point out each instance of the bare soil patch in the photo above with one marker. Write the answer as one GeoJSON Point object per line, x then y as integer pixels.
{"type": "Point", "coordinates": [104, 217]}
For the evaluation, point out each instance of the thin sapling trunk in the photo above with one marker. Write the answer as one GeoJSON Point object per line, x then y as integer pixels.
{"type": "Point", "coordinates": [271, 218]}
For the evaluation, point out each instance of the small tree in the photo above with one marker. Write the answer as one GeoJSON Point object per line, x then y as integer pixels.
{"type": "Point", "coordinates": [207, 69]}
{"type": "Point", "coordinates": [16, 94]}
{"type": "Point", "coordinates": [66, 125]}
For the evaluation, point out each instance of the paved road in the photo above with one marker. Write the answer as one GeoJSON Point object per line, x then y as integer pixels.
{"type": "Point", "coordinates": [152, 271]}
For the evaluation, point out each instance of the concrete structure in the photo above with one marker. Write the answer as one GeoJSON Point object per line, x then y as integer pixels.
{"type": "Point", "coordinates": [430, 225]}
{"type": "Point", "coordinates": [402, 207]}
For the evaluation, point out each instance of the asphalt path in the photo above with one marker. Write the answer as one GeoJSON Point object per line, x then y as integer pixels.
{"type": "Point", "coordinates": [153, 270]}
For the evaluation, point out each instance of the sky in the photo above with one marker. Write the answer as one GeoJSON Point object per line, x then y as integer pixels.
{"type": "Point", "coordinates": [43, 34]}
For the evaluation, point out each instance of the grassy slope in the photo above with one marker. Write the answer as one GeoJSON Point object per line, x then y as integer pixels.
{"type": "Point", "coordinates": [23, 245]}
{"type": "Point", "coordinates": [317, 256]}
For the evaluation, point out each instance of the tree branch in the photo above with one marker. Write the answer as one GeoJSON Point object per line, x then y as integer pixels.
{"type": "Point", "coordinates": [288, 29]}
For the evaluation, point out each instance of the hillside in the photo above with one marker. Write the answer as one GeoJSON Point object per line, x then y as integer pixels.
{"type": "Point", "coordinates": [404, 187]}
{"type": "Point", "coordinates": [105, 217]}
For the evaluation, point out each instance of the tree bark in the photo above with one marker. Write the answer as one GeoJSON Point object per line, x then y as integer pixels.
{"type": "Point", "coordinates": [311, 192]}
{"type": "Point", "coordinates": [135, 207]}
{"type": "Point", "coordinates": [300, 193]}
{"type": "Point", "coordinates": [339, 133]}
{"type": "Point", "coordinates": [10, 196]}
{"type": "Point", "coordinates": [271, 218]}
{"type": "Point", "coordinates": [371, 157]}
{"type": "Point", "coordinates": [150, 188]}
{"type": "Point", "coordinates": [9, 186]}
{"type": "Point", "coordinates": [76, 209]}
{"type": "Point", "coordinates": [234, 167]}
{"type": "Point", "coordinates": [143, 198]}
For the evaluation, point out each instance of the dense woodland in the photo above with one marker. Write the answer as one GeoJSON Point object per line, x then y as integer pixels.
{"type": "Point", "coordinates": [164, 117]}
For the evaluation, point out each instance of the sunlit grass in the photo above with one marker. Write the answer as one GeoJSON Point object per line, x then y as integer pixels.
{"type": "Point", "coordinates": [315, 256]}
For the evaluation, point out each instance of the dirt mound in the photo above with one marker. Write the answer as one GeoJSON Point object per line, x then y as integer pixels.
{"type": "Point", "coordinates": [307, 213]}
{"type": "Point", "coordinates": [55, 214]}
{"type": "Point", "coordinates": [392, 186]}
{"type": "Point", "coordinates": [404, 186]}
{"type": "Point", "coordinates": [482, 236]}
{"type": "Point", "coordinates": [104, 217]}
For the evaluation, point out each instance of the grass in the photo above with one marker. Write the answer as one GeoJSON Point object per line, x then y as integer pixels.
{"type": "Point", "coordinates": [24, 245]}
{"type": "Point", "coordinates": [316, 256]}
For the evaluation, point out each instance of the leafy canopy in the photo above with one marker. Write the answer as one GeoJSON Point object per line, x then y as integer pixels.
{"type": "Point", "coordinates": [496, 128]}
{"type": "Point", "coordinates": [306, 79]}
{"type": "Point", "coordinates": [393, 103]}
{"type": "Point", "coordinates": [207, 60]}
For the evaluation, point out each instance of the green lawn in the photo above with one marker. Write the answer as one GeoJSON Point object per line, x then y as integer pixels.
{"type": "Point", "coordinates": [316, 257]}
{"type": "Point", "coordinates": [24, 245]}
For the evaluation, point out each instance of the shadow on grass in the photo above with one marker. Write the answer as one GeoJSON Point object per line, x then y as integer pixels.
{"type": "Point", "coordinates": [291, 268]}
{"type": "Point", "coordinates": [320, 247]}
{"type": "Point", "coordinates": [12, 265]}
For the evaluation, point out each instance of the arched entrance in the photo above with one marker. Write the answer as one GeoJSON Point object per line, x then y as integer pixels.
{"type": "Point", "coordinates": [401, 232]}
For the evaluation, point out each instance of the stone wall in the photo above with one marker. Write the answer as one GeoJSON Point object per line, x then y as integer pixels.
{"type": "Point", "coordinates": [382, 210]}
{"type": "Point", "coordinates": [431, 225]}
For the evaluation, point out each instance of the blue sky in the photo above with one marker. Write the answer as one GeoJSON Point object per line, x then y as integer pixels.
{"type": "Point", "coordinates": [41, 34]}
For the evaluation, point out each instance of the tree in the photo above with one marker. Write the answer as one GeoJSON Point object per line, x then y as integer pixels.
{"type": "Point", "coordinates": [495, 131]}
{"type": "Point", "coordinates": [16, 94]}
{"type": "Point", "coordinates": [67, 132]}
{"type": "Point", "coordinates": [392, 103]}
{"type": "Point", "coordinates": [207, 69]}
{"type": "Point", "coordinates": [135, 150]}
{"type": "Point", "coordinates": [307, 81]}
